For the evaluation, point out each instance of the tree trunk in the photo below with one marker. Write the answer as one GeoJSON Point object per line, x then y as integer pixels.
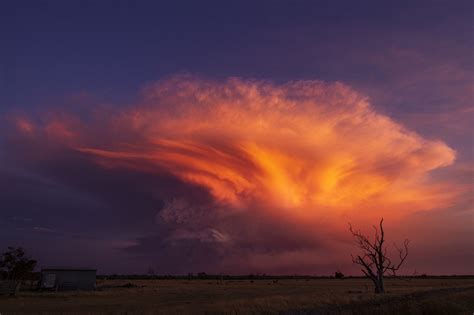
{"type": "Point", "coordinates": [379, 284]}
{"type": "Point", "coordinates": [376, 284]}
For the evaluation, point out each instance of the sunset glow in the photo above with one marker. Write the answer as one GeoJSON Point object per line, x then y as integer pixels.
{"type": "Point", "coordinates": [237, 139]}
{"type": "Point", "coordinates": [301, 149]}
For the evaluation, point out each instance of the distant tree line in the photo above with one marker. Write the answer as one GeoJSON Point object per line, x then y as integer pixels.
{"type": "Point", "coordinates": [205, 276]}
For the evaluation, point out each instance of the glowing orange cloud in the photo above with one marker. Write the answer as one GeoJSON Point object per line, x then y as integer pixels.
{"type": "Point", "coordinates": [261, 175]}
{"type": "Point", "coordinates": [305, 148]}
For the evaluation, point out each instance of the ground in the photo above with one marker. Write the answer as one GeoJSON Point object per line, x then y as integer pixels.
{"type": "Point", "coordinates": [306, 296]}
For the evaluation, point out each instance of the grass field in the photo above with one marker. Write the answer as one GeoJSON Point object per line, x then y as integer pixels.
{"type": "Point", "coordinates": [312, 296]}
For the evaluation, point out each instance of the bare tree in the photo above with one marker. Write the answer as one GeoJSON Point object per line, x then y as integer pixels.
{"type": "Point", "coordinates": [373, 259]}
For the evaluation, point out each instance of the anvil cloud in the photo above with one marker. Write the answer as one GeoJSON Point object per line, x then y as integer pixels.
{"type": "Point", "coordinates": [268, 174]}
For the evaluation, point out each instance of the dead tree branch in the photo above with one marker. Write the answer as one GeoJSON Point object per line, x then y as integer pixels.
{"type": "Point", "coordinates": [374, 260]}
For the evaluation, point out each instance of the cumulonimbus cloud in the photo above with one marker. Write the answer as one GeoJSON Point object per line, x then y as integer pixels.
{"type": "Point", "coordinates": [302, 150]}
{"type": "Point", "coordinates": [302, 146]}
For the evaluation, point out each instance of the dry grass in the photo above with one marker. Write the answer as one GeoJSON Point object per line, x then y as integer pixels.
{"type": "Point", "coordinates": [331, 296]}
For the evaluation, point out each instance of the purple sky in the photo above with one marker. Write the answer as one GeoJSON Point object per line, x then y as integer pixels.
{"type": "Point", "coordinates": [92, 174]}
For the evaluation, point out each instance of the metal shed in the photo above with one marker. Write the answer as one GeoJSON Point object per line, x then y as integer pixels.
{"type": "Point", "coordinates": [68, 279]}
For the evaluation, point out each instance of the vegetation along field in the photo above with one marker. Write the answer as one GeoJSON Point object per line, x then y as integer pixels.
{"type": "Point", "coordinates": [269, 296]}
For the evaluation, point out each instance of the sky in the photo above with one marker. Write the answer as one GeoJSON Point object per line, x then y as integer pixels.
{"type": "Point", "coordinates": [236, 137]}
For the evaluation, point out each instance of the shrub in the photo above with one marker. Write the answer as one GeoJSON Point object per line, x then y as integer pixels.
{"type": "Point", "coordinates": [338, 275]}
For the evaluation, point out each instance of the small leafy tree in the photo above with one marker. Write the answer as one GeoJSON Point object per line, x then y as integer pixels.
{"type": "Point", "coordinates": [15, 264]}
{"type": "Point", "coordinates": [373, 259]}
